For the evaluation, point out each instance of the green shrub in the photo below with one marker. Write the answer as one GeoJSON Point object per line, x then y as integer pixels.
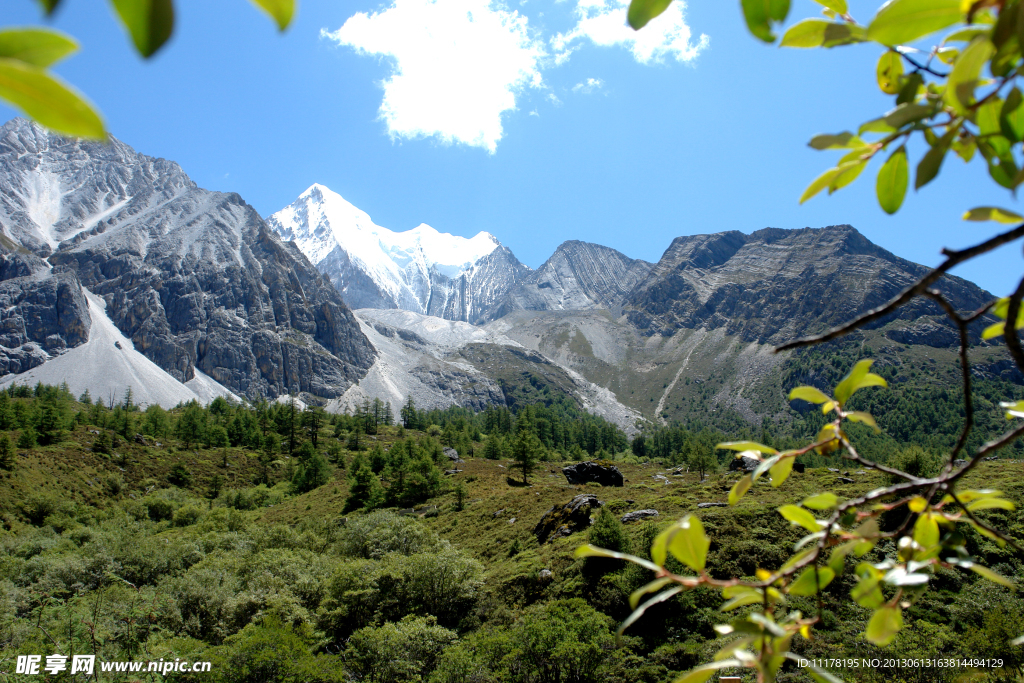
{"type": "Point", "coordinates": [187, 515]}
{"type": "Point", "coordinates": [158, 509]}
{"type": "Point", "coordinates": [38, 507]}
{"type": "Point", "coordinates": [396, 653]}
{"type": "Point", "coordinates": [383, 532]}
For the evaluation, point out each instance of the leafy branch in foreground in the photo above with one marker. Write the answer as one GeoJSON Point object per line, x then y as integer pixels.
{"type": "Point", "coordinates": [943, 96]}
{"type": "Point", "coordinates": [27, 53]}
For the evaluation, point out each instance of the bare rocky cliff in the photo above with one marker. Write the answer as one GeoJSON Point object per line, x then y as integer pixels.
{"type": "Point", "coordinates": [194, 278]}
{"type": "Point", "coordinates": [579, 276]}
{"type": "Point", "coordinates": [774, 285]}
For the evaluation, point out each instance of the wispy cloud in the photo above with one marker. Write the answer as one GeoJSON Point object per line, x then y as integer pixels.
{"type": "Point", "coordinates": [603, 22]}
{"type": "Point", "coordinates": [458, 66]}
{"type": "Point", "coordinates": [588, 86]}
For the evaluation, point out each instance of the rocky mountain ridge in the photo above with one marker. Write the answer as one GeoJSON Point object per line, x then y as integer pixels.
{"type": "Point", "coordinates": [198, 284]}
{"type": "Point", "coordinates": [194, 278]}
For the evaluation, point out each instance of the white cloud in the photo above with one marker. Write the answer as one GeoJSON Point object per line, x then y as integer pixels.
{"type": "Point", "coordinates": [553, 99]}
{"type": "Point", "coordinates": [458, 65]}
{"type": "Point", "coordinates": [603, 22]}
{"type": "Point", "coordinates": [588, 86]}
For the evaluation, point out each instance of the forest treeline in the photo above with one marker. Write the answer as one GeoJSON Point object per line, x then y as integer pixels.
{"type": "Point", "coordinates": [172, 560]}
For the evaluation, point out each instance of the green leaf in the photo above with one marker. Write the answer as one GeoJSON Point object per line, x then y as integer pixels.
{"type": "Point", "coordinates": [826, 179]}
{"type": "Point", "coordinates": [742, 600]}
{"type": "Point", "coordinates": [994, 330]}
{"type": "Point", "coordinates": [150, 22]}
{"type": "Point", "coordinates": [837, 559]}
{"type": "Point", "coordinates": [821, 501]}
{"type": "Point", "coordinates": [910, 88]}
{"type": "Point", "coordinates": [844, 140]}
{"type": "Point", "coordinates": [891, 184]}
{"type": "Point", "coordinates": [828, 438]}
{"type": "Point", "coordinates": [858, 378]}
{"type": "Point", "coordinates": [967, 34]}
{"type": "Point", "coordinates": [889, 72]}
{"type": "Point", "coordinates": [703, 673]}
{"type": "Point", "coordinates": [991, 504]}
{"type": "Point", "coordinates": [974, 494]}
{"type": "Point", "coordinates": [867, 593]}
{"type": "Point", "coordinates": [746, 446]}
{"type": "Point", "coordinates": [652, 587]}
{"type": "Point", "coordinates": [281, 11]}
{"type": "Point", "coordinates": [740, 488]}
{"type": "Point", "coordinates": [947, 55]}
{"type": "Point", "coordinates": [806, 585]}
{"type": "Point", "coordinates": [903, 21]}
{"type": "Point", "coordinates": [1014, 409]}
{"type": "Point", "coordinates": [48, 101]}
{"type": "Point", "coordinates": [798, 515]}
{"type": "Point", "coordinates": [809, 394]}
{"type": "Point", "coordinates": [866, 418]}
{"type": "Point", "coordinates": [1011, 116]}
{"type": "Point", "coordinates": [904, 114]}
{"type": "Point", "coordinates": [879, 125]}
{"type": "Point", "coordinates": [780, 471]}
{"type": "Point", "coordinates": [49, 5]}
{"type": "Point", "coordinates": [36, 46]}
{"type": "Point", "coordinates": [761, 14]}
{"type": "Point", "coordinates": [594, 551]}
{"type": "Point", "coordinates": [689, 544]}
{"type": "Point", "coordinates": [885, 623]}
{"type": "Point", "coordinates": [992, 213]}
{"type": "Point", "coordinates": [931, 162]}
{"type": "Point", "coordinates": [960, 85]}
{"type": "Point", "coordinates": [838, 6]}
{"type": "Point", "coordinates": [926, 531]}
{"type": "Point", "coordinates": [806, 33]}
{"type": "Point", "coordinates": [763, 467]}
{"type": "Point", "coordinates": [848, 175]}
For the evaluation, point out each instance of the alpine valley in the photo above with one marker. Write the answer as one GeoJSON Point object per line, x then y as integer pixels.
{"type": "Point", "coordinates": [117, 271]}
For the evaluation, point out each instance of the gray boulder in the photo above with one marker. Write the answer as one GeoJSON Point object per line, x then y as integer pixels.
{"type": "Point", "coordinates": [586, 472]}
{"type": "Point", "coordinates": [452, 454]}
{"type": "Point", "coordinates": [744, 463]}
{"type": "Point", "coordinates": [563, 520]}
{"type": "Point", "coordinates": [637, 515]}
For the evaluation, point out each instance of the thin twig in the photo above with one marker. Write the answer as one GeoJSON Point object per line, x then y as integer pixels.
{"type": "Point", "coordinates": [986, 526]}
{"type": "Point", "coordinates": [965, 371]}
{"type": "Point", "coordinates": [1010, 327]}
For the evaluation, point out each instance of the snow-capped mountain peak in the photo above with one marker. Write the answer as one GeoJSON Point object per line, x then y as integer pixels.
{"type": "Point", "coordinates": [374, 267]}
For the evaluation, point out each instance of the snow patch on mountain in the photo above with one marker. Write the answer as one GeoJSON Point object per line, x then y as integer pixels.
{"type": "Point", "coordinates": [108, 364]}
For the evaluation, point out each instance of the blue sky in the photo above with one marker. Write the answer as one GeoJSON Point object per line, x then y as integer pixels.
{"type": "Point", "coordinates": [540, 122]}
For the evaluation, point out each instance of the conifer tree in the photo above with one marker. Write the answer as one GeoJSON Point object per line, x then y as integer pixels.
{"type": "Point", "coordinates": [6, 453]}
{"type": "Point", "coordinates": [365, 490]}
{"type": "Point", "coordinates": [525, 452]}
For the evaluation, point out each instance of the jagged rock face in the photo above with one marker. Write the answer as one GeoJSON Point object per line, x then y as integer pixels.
{"type": "Point", "coordinates": [194, 278]}
{"type": "Point", "coordinates": [477, 290]}
{"type": "Point", "coordinates": [40, 314]}
{"type": "Point", "coordinates": [578, 276]}
{"type": "Point", "coordinates": [774, 285]}
{"type": "Point", "coordinates": [420, 270]}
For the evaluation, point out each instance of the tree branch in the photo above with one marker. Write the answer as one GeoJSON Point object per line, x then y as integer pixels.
{"type": "Point", "coordinates": [1010, 328]}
